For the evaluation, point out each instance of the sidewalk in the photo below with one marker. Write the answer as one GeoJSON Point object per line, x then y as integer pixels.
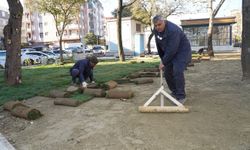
{"type": "Point", "coordinates": [4, 144]}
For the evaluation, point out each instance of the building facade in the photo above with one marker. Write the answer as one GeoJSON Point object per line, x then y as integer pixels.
{"type": "Point", "coordinates": [4, 16]}
{"type": "Point", "coordinates": [196, 31]}
{"type": "Point", "coordinates": [130, 30]}
{"type": "Point", "coordinates": [40, 29]}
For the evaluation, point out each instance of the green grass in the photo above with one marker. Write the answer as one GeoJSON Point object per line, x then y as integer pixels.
{"type": "Point", "coordinates": [81, 97]}
{"type": "Point", "coordinates": [40, 80]}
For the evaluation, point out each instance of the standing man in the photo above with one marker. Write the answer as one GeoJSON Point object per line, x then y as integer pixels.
{"type": "Point", "coordinates": [83, 69]}
{"type": "Point", "coordinates": [175, 53]}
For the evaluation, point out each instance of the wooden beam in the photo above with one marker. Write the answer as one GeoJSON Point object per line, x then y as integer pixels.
{"type": "Point", "coordinates": [157, 109]}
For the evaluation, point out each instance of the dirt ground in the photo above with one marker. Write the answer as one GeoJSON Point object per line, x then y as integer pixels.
{"type": "Point", "coordinates": [219, 118]}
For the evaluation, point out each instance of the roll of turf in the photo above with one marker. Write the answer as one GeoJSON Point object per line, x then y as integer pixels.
{"type": "Point", "coordinates": [119, 94]}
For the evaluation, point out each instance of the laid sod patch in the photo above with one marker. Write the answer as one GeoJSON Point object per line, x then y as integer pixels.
{"type": "Point", "coordinates": [39, 80]}
{"type": "Point", "coordinates": [81, 97]}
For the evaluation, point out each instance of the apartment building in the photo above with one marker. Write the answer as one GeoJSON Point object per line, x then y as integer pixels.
{"type": "Point", "coordinates": [4, 15]}
{"type": "Point", "coordinates": [40, 29]}
{"type": "Point", "coordinates": [37, 28]}
{"type": "Point", "coordinates": [93, 18]}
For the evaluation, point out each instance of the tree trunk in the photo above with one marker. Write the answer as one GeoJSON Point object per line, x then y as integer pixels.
{"type": "Point", "coordinates": [119, 31]}
{"type": "Point", "coordinates": [149, 40]}
{"type": "Point", "coordinates": [245, 53]}
{"type": "Point", "coordinates": [210, 29]}
{"type": "Point", "coordinates": [61, 51]}
{"type": "Point", "coordinates": [12, 43]}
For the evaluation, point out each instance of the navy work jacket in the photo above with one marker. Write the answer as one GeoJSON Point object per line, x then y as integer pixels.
{"type": "Point", "coordinates": [172, 44]}
{"type": "Point", "coordinates": [85, 70]}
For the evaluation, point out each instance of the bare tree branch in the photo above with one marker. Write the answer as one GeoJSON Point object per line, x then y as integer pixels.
{"type": "Point", "coordinates": [218, 8]}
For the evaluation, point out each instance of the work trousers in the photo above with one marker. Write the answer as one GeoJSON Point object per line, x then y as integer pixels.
{"type": "Point", "coordinates": [174, 75]}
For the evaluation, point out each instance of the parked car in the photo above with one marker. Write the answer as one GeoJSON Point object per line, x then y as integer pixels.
{"type": "Point", "coordinates": [26, 59]}
{"type": "Point", "coordinates": [2, 64]}
{"type": "Point", "coordinates": [98, 50]}
{"type": "Point", "coordinates": [29, 59]}
{"type": "Point", "coordinates": [51, 59]}
{"type": "Point", "coordinates": [66, 54]}
{"type": "Point", "coordinates": [27, 50]}
{"type": "Point", "coordinates": [41, 48]}
{"type": "Point", "coordinates": [73, 49]}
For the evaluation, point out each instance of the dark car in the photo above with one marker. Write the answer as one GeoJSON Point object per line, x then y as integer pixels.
{"type": "Point", "coordinates": [41, 48]}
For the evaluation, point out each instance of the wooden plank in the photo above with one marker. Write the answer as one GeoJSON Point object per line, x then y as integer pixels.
{"type": "Point", "coordinates": [157, 109]}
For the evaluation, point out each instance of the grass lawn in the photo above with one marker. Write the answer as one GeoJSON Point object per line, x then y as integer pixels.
{"type": "Point", "coordinates": [39, 80]}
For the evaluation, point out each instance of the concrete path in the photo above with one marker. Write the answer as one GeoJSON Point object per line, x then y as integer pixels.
{"type": "Point", "coordinates": [4, 144]}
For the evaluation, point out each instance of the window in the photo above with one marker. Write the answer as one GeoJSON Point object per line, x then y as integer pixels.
{"type": "Point", "coordinates": [46, 33]}
{"type": "Point", "coordinates": [70, 32]}
{"type": "Point", "coordinates": [28, 25]}
{"type": "Point", "coordinates": [40, 25]}
{"type": "Point", "coordinates": [27, 15]}
{"type": "Point", "coordinates": [3, 14]}
{"type": "Point", "coordinates": [29, 35]}
{"type": "Point", "coordinates": [138, 27]}
{"type": "Point", "coordinates": [65, 32]}
{"type": "Point", "coordinates": [41, 35]}
{"type": "Point", "coordinates": [198, 35]}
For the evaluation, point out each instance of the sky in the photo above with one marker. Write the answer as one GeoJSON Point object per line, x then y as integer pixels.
{"type": "Point", "coordinates": [110, 5]}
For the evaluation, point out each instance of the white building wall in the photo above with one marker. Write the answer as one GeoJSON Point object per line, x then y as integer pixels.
{"type": "Point", "coordinates": [128, 34]}
{"type": "Point", "coordinates": [49, 29]}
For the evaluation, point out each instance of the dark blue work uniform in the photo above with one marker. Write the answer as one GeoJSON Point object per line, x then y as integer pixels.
{"type": "Point", "coordinates": [85, 71]}
{"type": "Point", "coordinates": [175, 53]}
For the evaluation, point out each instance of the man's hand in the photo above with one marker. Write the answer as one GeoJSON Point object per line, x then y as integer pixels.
{"type": "Point", "coordinates": [84, 84]}
{"type": "Point", "coordinates": [161, 66]}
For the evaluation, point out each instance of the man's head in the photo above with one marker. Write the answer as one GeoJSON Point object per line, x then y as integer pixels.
{"type": "Point", "coordinates": [93, 60]}
{"type": "Point", "coordinates": [159, 23]}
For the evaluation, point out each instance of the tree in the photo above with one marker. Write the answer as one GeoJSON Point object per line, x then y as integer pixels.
{"type": "Point", "coordinates": [63, 12]}
{"type": "Point", "coordinates": [120, 9]}
{"type": "Point", "coordinates": [125, 13]}
{"type": "Point", "coordinates": [212, 14]}
{"type": "Point", "coordinates": [144, 10]}
{"type": "Point", "coordinates": [245, 53]}
{"type": "Point", "coordinates": [12, 43]}
{"type": "Point", "coordinates": [90, 38]}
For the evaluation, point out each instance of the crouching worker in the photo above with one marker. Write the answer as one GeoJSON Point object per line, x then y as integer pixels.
{"type": "Point", "coordinates": [83, 70]}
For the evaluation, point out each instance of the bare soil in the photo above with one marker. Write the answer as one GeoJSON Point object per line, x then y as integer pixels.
{"type": "Point", "coordinates": [219, 118]}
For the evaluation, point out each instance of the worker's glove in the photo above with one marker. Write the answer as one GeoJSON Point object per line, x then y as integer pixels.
{"type": "Point", "coordinates": [93, 82]}
{"type": "Point", "coordinates": [84, 84]}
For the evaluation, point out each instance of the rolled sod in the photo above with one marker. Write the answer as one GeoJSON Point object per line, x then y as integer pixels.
{"type": "Point", "coordinates": [93, 85]}
{"type": "Point", "coordinates": [196, 60]}
{"type": "Point", "coordinates": [110, 85]}
{"type": "Point", "coordinates": [134, 75]}
{"type": "Point", "coordinates": [67, 102]}
{"type": "Point", "coordinates": [72, 89]}
{"type": "Point", "coordinates": [122, 81]}
{"type": "Point", "coordinates": [95, 92]}
{"type": "Point", "coordinates": [58, 94]}
{"type": "Point", "coordinates": [143, 81]}
{"type": "Point", "coordinates": [26, 112]}
{"type": "Point", "coordinates": [149, 74]}
{"type": "Point", "coordinates": [11, 105]}
{"type": "Point", "coordinates": [119, 94]}
{"type": "Point", "coordinates": [151, 70]}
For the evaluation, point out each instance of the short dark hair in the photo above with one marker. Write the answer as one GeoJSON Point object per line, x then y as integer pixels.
{"type": "Point", "coordinates": [157, 18]}
{"type": "Point", "coordinates": [93, 59]}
